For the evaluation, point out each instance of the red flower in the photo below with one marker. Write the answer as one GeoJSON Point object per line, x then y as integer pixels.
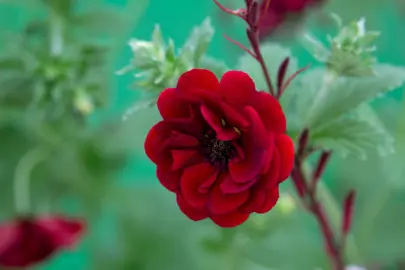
{"type": "Point", "coordinates": [220, 146]}
{"type": "Point", "coordinates": [27, 241]}
{"type": "Point", "coordinates": [281, 12]}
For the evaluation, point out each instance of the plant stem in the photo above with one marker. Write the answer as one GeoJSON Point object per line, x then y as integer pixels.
{"type": "Point", "coordinates": [265, 72]}
{"type": "Point", "coordinates": [253, 35]}
{"type": "Point", "coordinates": [334, 251]}
{"type": "Point", "coordinates": [22, 178]}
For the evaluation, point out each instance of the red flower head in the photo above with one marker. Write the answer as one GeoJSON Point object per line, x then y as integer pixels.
{"type": "Point", "coordinates": [220, 147]}
{"type": "Point", "coordinates": [281, 12]}
{"type": "Point", "coordinates": [28, 241]}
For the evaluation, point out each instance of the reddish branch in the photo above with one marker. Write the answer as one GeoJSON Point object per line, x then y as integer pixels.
{"type": "Point", "coordinates": [307, 193]}
{"type": "Point", "coordinates": [306, 188]}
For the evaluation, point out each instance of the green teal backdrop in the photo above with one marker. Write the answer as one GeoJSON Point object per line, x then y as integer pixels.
{"type": "Point", "coordinates": [177, 18]}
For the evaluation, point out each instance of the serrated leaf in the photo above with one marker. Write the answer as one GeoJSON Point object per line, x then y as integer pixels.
{"type": "Point", "coordinates": [356, 135]}
{"type": "Point", "coordinates": [216, 66]}
{"type": "Point", "coordinates": [273, 55]}
{"type": "Point", "coordinates": [324, 103]}
{"type": "Point", "coordinates": [199, 40]}
{"type": "Point", "coordinates": [349, 64]}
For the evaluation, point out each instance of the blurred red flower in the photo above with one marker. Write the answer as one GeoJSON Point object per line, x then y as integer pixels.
{"type": "Point", "coordinates": [283, 12]}
{"type": "Point", "coordinates": [220, 147]}
{"type": "Point", "coordinates": [28, 241]}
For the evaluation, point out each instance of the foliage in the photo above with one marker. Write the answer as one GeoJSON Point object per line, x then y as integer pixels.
{"type": "Point", "coordinates": [52, 85]}
{"type": "Point", "coordinates": [158, 65]}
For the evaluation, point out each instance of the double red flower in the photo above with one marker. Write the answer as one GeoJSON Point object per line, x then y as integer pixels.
{"type": "Point", "coordinates": [220, 147]}
{"type": "Point", "coordinates": [28, 241]}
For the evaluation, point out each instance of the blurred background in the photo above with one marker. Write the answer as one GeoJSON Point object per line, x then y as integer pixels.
{"type": "Point", "coordinates": [59, 90]}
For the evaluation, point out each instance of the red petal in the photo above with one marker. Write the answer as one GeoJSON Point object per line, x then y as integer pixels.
{"type": "Point", "coordinates": [192, 213]}
{"type": "Point", "coordinates": [65, 231]}
{"type": "Point", "coordinates": [224, 134]}
{"type": "Point", "coordinates": [27, 242]}
{"type": "Point", "coordinates": [30, 244]}
{"type": "Point", "coordinates": [154, 142]}
{"type": "Point", "coordinates": [171, 105]}
{"type": "Point", "coordinates": [193, 177]}
{"type": "Point", "coordinates": [237, 87]}
{"type": "Point", "coordinates": [271, 178]}
{"type": "Point", "coordinates": [233, 117]}
{"type": "Point", "coordinates": [177, 140]}
{"type": "Point", "coordinates": [270, 111]}
{"type": "Point", "coordinates": [229, 220]}
{"type": "Point", "coordinates": [221, 203]}
{"type": "Point", "coordinates": [255, 142]}
{"type": "Point", "coordinates": [198, 79]}
{"type": "Point", "coordinates": [168, 178]}
{"type": "Point", "coordinates": [272, 196]}
{"type": "Point", "coordinates": [255, 202]}
{"type": "Point", "coordinates": [285, 148]}
{"type": "Point", "coordinates": [185, 158]}
{"type": "Point", "coordinates": [8, 233]}
{"type": "Point", "coordinates": [229, 186]}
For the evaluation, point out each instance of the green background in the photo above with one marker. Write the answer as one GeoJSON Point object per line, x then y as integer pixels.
{"type": "Point", "coordinates": [177, 18]}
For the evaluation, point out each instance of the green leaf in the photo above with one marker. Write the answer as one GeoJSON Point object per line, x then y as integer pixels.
{"type": "Point", "coordinates": [349, 64]}
{"type": "Point", "coordinates": [273, 55]}
{"type": "Point", "coordinates": [355, 134]}
{"type": "Point", "coordinates": [199, 40]}
{"type": "Point", "coordinates": [216, 66]}
{"type": "Point", "coordinates": [324, 101]}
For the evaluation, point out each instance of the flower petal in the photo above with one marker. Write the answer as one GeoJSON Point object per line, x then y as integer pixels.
{"type": "Point", "coordinates": [255, 202]}
{"type": "Point", "coordinates": [154, 142]}
{"type": "Point", "coordinates": [222, 133]}
{"type": "Point", "coordinates": [271, 178]}
{"type": "Point", "coordinates": [255, 142]}
{"type": "Point", "coordinates": [285, 148]}
{"type": "Point", "coordinates": [272, 196]}
{"type": "Point", "coordinates": [230, 220]}
{"type": "Point", "coordinates": [195, 79]}
{"type": "Point", "coordinates": [237, 87]}
{"type": "Point", "coordinates": [171, 105]}
{"type": "Point", "coordinates": [30, 244]}
{"type": "Point", "coordinates": [185, 158]}
{"type": "Point", "coordinates": [192, 213]}
{"type": "Point", "coordinates": [64, 231]}
{"type": "Point", "coordinates": [229, 186]}
{"type": "Point", "coordinates": [270, 111]}
{"type": "Point", "coordinates": [168, 178]}
{"type": "Point", "coordinates": [193, 177]}
{"type": "Point", "coordinates": [164, 137]}
{"type": "Point", "coordinates": [221, 203]}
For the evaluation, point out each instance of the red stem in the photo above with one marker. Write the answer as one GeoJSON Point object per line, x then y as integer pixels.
{"type": "Point", "coordinates": [334, 252]}
{"type": "Point", "coordinates": [260, 59]}
{"type": "Point", "coordinates": [315, 207]}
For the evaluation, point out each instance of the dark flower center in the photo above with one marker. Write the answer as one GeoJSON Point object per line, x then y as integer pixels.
{"type": "Point", "coordinates": [217, 152]}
